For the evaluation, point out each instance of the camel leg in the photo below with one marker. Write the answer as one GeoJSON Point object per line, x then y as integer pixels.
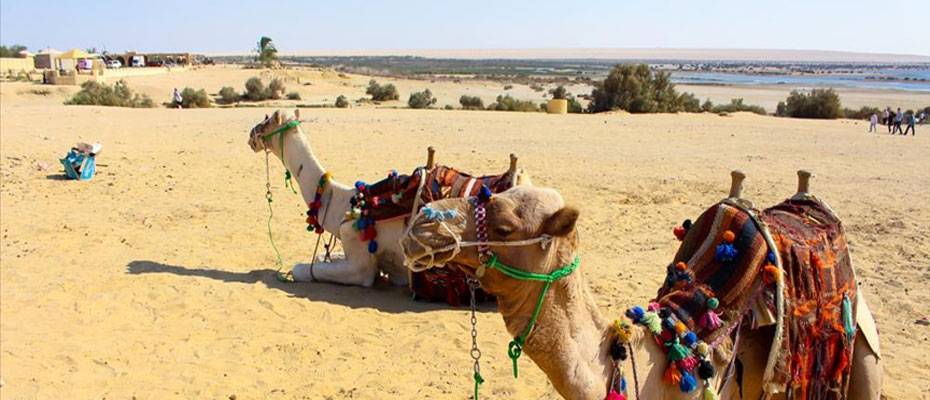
{"type": "Point", "coordinates": [358, 268]}
{"type": "Point", "coordinates": [865, 381]}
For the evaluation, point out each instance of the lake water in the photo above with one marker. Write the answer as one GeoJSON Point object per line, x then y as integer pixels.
{"type": "Point", "coordinates": [812, 81]}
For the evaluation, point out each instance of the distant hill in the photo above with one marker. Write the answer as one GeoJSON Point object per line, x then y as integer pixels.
{"type": "Point", "coordinates": [633, 54]}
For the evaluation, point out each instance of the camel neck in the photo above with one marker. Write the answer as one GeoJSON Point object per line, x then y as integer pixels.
{"type": "Point", "coordinates": [306, 171]}
{"type": "Point", "coordinates": [570, 342]}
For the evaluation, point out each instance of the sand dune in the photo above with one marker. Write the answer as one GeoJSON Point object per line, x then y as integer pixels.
{"type": "Point", "coordinates": [156, 279]}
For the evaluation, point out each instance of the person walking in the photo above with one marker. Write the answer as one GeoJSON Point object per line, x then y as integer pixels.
{"type": "Point", "coordinates": [898, 118]}
{"type": "Point", "coordinates": [178, 100]}
{"type": "Point", "coordinates": [889, 122]}
{"type": "Point", "coordinates": [911, 121]}
{"type": "Point", "coordinates": [873, 123]}
{"type": "Point", "coordinates": [885, 118]}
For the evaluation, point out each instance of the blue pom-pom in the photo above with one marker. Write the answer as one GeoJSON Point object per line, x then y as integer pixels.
{"type": "Point", "coordinates": [726, 252]}
{"type": "Point", "coordinates": [372, 246]}
{"type": "Point", "coordinates": [484, 194]}
{"type": "Point", "coordinates": [622, 384]}
{"type": "Point", "coordinates": [635, 314]}
{"type": "Point", "coordinates": [771, 257]}
{"type": "Point", "coordinates": [429, 213]}
{"type": "Point", "coordinates": [688, 383]}
{"type": "Point", "coordinates": [361, 224]}
{"type": "Point", "coordinates": [690, 339]}
{"type": "Point", "coordinates": [360, 185]}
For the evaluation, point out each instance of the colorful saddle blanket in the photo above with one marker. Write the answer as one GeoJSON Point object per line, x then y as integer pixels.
{"type": "Point", "coordinates": [789, 266]}
{"type": "Point", "coordinates": [396, 197]}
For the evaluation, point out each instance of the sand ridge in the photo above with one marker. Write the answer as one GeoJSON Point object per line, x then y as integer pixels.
{"type": "Point", "coordinates": [156, 280]}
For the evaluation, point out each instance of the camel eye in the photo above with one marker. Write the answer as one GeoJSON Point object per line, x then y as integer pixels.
{"type": "Point", "coordinates": [502, 231]}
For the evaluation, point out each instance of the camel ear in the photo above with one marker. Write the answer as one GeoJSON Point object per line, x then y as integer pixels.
{"type": "Point", "coordinates": [561, 223]}
{"type": "Point", "coordinates": [297, 113]}
{"type": "Point", "coordinates": [278, 119]}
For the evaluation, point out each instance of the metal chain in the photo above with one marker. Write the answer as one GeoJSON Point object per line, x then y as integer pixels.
{"type": "Point", "coordinates": [473, 285]}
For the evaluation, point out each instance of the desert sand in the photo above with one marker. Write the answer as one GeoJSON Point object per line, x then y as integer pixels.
{"type": "Point", "coordinates": [155, 280]}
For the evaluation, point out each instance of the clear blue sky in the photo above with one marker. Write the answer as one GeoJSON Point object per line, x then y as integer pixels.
{"type": "Point", "coordinates": [899, 26]}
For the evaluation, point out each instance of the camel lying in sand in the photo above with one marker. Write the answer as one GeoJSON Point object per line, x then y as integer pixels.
{"type": "Point", "coordinates": [530, 230]}
{"type": "Point", "coordinates": [282, 136]}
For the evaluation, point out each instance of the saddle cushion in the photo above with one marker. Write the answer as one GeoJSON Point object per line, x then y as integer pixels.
{"type": "Point", "coordinates": [809, 265]}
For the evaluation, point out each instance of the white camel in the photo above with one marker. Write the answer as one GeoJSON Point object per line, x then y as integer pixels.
{"type": "Point", "coordinates": [571, 341]}
{"type": "Point", "coordinates": [279, 133]}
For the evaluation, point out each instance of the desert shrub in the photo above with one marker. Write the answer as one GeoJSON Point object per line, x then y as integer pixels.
{"type": "Point", "coordinates": [12, 51]}
{"type": "Point", "coordinates": [508, 87]}
{"type": "Point", "coordinates": [448, 107]}
{"type": "Point", "coordinates": [382, 93]}
{"type": "Point", "coordinates": [635, 88]}
{"type": "Point", "coordinates": [228, 95]}
{"type": "Point", "coordinates": [422, 99]}
{"type": "Point", "coordinates": [471, 102]}
{"type": "Point", "coordinates": [574, 107]}
{"type": "Point", "coordinates": [342, 102]}
{"type": "Point", "coordinates": [781, 110]}
{"type": "Point", "coordinates": [191, 98]}
{"type": "Point", "coordinates": [255, 89]}
{"type": "Point", "coordinates": [275, 89]}
{"type": "Point", "coordinates": [559, 93]}
{"type": "Point", "coordinates": [819, 103]}
{"type": "Point", "coordinates": [707, 106]}
{"type": "Point", "coordinates": [100, 94]}
{"type": "Point", "coordinates": [688, 103]}
{"type": "Point", "coordinates": [293, 96]}
{"type": "Point", "coordinates": [537, 87]}
{"type": "Point", "coordinates": [508, 103]}
{"type": "Point", "coordinates": [738, 105]}
{"type": "Point", "coordinates": [863, 113]}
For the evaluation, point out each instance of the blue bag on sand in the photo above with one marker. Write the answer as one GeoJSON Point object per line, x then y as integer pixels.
{"type": "Point", "coordinates": [81, 162]}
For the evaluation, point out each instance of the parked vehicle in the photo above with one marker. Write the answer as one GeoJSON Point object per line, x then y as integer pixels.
{"type": "Point", "coordinates": [114, 64]}
{"type": "Point", "coordinates": [137, 61]}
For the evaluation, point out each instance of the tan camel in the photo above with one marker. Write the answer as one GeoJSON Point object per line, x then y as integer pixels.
{"type": "Point", "coordinates": [571, 341]}
{"type": "Point", "coordinates": [282, 136]}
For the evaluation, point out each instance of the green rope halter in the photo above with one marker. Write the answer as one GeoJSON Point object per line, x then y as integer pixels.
{"type": "Point", "coordinates": [515, 348]}
{"type": "Point", "coordinates": [284, 128]}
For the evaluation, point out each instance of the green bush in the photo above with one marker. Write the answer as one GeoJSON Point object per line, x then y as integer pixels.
{"type": "Point", "coordinates": [382, 93]}
{"type": "Point", "coordinates": [422, 99]}
{"type": "Point", "coordinates": [686, 102]}
{"type": "Point", "coordinates": [255, 89]}
{"type": "Point", "coordinates": [508, 87]}
{"type": "Point", "coordinates": [781, 110]}
{"type": "Point", "coordinates": [293, 96]}
{"type": "Point", "coordinates": [707, 106]}
{"type": "Point", "coordinates": [119, 95]}
{"type": "Point", "coordinates": [228, 95]}
{"type": "Point", "coordinates": [635, 88]}
{"type": "Point", "coordinates": [737, 105]}
{"type": "Point", "coordinates": [342, 102]}
{"type": "Point", "coordinates": [507, 103]}
{"type": "Point", "coordinates": [471, 102]}
{"type": "Point", "coordinates": [863, 113]}
{"type": "Point", "coordinates": [819, 103]}
{"type": "Point", "coordinates": [448, 107]}
{"type": "Point", "coordinates": [574, 107]}
{"type": "Point", "coordinates": [191, 98]}
{"type": "Point", "coordinates": [275, 89]}
{"type": "Point", "coordinates": [559, 93]}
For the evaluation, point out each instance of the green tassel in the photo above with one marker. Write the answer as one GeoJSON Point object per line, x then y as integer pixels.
{"type": "Point", "coordinates": [709, 393]}
{"type": "Point", "coordinates": [677, 352]}
{"type": "Point", "coordinates": [848, 323]}
{"type": "Point", "coordinates": [651, 320]}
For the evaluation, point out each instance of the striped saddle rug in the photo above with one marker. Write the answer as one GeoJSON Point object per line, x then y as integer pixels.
{"type": "Point", "coordinates": [442, 182]}
{"type": "Point", "coordinates": [786, 266]}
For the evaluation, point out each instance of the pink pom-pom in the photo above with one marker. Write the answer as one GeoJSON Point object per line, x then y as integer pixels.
{"type": "Point", "coordinates": [613, 395]}
{"type": "Point", "coordinates": [710, 320]}
{"type": "Point", "coordinates": [688, 363]}
{"type": "Point", "coordinates": [653, 306]}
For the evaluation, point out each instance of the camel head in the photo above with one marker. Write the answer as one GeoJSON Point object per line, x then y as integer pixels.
{"type": "Point", "coordinates": [527, 228]}
{"type": "Point", "coordinates": [258, 136]}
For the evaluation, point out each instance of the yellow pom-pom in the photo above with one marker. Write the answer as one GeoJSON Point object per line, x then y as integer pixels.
{"type": "Point", "coordinates": [624, 331]}
{"type": "Point", "coordinates": [729, 236]}
{"type": "Point", "coordinates": [702, 348]}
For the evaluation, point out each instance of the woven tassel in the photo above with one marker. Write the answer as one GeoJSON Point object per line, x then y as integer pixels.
{"type": "Point", "coordinates": [671, 376]}
{"type": "Point", "coordinates": [688, 383]}
{"type": "Point", "coordinates": [677, 352]}
{"type": "Point", "coordinates": [613, 395]}
{"type": "Point", "coordinates": [688, 363]}
{"type": "Point", "coordinates": [652, 322]}
{"type": "Point", "coordinates": [710, 320]}
{"type": "Point", "coordinates": [725, 252]}
{"type": "Point", "coordinates": [709, 393]}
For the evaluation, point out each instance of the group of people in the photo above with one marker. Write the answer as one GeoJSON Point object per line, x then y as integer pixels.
{"type": "Point", "coordinates": [894, 120]}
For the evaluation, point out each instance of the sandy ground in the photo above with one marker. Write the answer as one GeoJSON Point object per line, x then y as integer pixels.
{"type": "Point", "coordinates": [156, 279]}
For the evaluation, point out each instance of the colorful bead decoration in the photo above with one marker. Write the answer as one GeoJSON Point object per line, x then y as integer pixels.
{"type": "Point", "coordinates": [313, 214]}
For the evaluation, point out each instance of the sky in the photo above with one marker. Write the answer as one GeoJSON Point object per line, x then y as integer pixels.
{"type": "Point", "coordinates": [894, 26]}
